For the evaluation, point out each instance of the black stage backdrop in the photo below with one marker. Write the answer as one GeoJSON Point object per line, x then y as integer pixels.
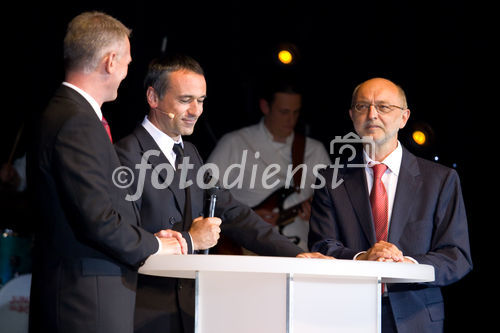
{"type": "Point", "coordinates": [436, 51]}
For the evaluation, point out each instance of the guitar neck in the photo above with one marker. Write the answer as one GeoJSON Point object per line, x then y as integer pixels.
{"type": "Point", "coordinates": [288, 215]}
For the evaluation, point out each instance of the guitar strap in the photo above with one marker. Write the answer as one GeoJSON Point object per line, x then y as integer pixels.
{"type": "Point", "coordinates": [298, 148]}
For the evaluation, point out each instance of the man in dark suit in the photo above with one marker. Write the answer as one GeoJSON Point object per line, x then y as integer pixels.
{"type": "Point", "coordinates": [406, 209]}
{"type": "Point", "coordinates": [89, 242]}
{"type": "Point", "coordinates": [176, 89]}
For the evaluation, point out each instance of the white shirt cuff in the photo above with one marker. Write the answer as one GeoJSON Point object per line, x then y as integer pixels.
{"type": "Point", "coordinates": [159, 245]}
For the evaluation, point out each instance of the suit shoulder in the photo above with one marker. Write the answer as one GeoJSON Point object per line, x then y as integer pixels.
{"type": "Point", "coordinates": [436, 172]}
{"type": "Point", "coordinates": [128, 143]}
{"type": "Point", "coordinates": [428, 166]}
{"type": "Point", "coordinates": [244, 132]}
{"type": "Point", "coordinates": [129, 150]}
{"type": "Point", "coordinates": [191, 150]}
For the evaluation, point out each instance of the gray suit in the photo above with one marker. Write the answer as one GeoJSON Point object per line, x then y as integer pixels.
{"type": "Point", "coordinates": [428, 223]}
{"type": "Point", "coordinates": [167, 305]}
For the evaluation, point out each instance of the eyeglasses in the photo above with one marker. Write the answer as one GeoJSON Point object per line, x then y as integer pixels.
{"type": "Point", "coordinates": [381, 108]}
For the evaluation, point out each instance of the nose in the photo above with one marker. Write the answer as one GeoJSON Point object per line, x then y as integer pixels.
{"type": "Point", "coordinates": [196, 108]}
{"type": "Point", "coordinates": [372, 112]}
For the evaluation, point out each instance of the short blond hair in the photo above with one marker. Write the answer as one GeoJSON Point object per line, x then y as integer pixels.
{"type": "Point", "coordinates": [88, 37]}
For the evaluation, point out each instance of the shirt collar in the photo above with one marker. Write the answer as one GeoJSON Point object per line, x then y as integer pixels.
{"type": "Point", "coordinates": [393, 160]}
{"type": "Point", "coordinates": [163, 140]}
{"type": "Point", "coordinates": [87, 97]}
{"type": "Point", "coordinates": [270, 136]}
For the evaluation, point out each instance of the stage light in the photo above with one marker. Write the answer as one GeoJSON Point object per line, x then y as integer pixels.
{"type": "Point", "coordinates": [285, 57]}
{"type": "Point", "coordinates": [286, 53]}
{"type": "Point", "coordinates": [419, 137]}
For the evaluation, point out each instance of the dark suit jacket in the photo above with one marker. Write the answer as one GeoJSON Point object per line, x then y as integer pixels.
{"type": "Point", "coordinates": [88, 245]}
{"type": "Point", "coordinates": [159, 300]}
{"type": "Point", "coordinates": [428, 223]}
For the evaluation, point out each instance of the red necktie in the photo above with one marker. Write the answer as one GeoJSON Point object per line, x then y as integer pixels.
{"type": "Point", "coordinates": [378, 201]}
{"type": "Point", "coordinates": [106, 127]}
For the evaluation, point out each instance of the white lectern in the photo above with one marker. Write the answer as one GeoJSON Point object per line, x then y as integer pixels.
{"type": "Point", "coordinates": [293, 295]}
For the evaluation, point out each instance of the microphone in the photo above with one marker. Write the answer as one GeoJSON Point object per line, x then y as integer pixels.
{"type": "Point", "coordinates": [169, 114]}
{"type": "Point", "coordinates": [210, 207]}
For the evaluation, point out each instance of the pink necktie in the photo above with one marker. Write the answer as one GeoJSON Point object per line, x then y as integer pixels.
{"type": "Point", "coordinates": [378, 201]}
{"type": "Point", "coordinates": [106, 127]}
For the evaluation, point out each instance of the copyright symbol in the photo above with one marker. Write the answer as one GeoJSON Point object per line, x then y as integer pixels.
{"type": "Point", "coordinates": [122, 177]}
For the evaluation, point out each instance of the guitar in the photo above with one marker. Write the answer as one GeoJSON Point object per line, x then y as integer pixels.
{"type": "Point", "coordinates": [275, 202]}
{"type": "Point", "coordinates": [272, 203]}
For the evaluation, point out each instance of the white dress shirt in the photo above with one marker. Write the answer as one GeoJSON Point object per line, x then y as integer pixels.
{"type": "Point", "coordinates": [262, 154]}
{"type": "Point", "coordinates": [166, 144]}
{"type": "Point", "coordinates": [389, 179]}
{"type": "Point", "coordinates": [390, 176]}
{"type": "Point", "coordinates": [87, 97]}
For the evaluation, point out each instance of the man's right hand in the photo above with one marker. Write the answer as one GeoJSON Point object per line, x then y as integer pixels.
{"type": "Point", "coordinates": [382, 251]}
{"type": "Point", "coordinates": [205, 232]}
{"type": "Point", "coordinates": [172, 242]}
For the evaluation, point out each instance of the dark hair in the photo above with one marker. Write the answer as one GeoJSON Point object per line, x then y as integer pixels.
{"type": "Point", "coordinates": [279, 83]}
{"type": "Point", "coordinates": [160, 68]}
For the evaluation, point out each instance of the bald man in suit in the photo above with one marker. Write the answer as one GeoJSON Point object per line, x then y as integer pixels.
{"type": "Point", "coordinates": [422, 216]}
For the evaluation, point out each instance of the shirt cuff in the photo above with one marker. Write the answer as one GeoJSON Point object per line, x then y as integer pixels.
{"type": "Point", "coordinates": [159, 245]}
{"type": "Point", "coordinates": [410, 258]}
{"type": "Point", "coordinates": [357, 255]}
{"type": "Point", "coordinates": [407, 257]}
{"type": "Point", "coordinates": [190, 248]}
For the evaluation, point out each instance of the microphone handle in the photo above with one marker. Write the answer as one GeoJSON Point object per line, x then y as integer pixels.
{"type": "Point", "coordinates": [211, 211]}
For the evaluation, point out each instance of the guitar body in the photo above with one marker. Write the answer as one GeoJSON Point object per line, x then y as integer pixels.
{"type": "Point", "coordinates": [273, 202]}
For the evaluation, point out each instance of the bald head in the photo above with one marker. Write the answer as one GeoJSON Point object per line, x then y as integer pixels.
{"type": "Point", "coordinates": [379, 84]}
{"type": "Point", "coordinates": [379, 110]}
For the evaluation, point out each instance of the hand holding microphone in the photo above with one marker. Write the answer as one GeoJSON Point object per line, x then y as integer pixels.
{"type": "Point", "coordinates": [205, 231]}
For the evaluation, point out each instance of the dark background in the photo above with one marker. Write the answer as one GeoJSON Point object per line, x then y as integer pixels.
{"type": "Point", "coordinates": [437, 52]}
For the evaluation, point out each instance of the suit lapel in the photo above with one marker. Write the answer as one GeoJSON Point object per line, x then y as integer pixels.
{"type": "Point", "coordinates": [146, 143]}
{"type": "Point", "coordinates": [196, 192]}
{"type": "Point", "coordinates": [408, 185]}
{"type": "Point", "coordinates": [357, 191]}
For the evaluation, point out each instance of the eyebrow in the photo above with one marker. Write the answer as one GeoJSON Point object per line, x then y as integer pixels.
{"type": "Point", "coordinates": [192, 96]}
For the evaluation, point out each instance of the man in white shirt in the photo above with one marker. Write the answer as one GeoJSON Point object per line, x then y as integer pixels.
{"type": "Point", "coordinates": [256, 162]}
{"type": "Point", "coordinates": [398, 208]}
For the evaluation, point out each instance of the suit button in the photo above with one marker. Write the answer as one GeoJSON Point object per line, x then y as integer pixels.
{"type": "Point", "coordinates": [171, 220]}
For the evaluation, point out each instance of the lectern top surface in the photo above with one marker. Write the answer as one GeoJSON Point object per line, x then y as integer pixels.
{"type": "Point", "coordinates": [186, 266]}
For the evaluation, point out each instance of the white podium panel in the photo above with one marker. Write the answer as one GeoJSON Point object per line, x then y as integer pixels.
{"type": "Point", "coordinates": [293, 295]}
{"type": "Point", "coordinates": [320, 305]}
{"type": "Point", "coordinates": [241, 302]}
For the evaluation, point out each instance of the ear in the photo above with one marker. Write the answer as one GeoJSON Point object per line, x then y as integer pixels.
{"type": "Point", "coordinates": [404, 118]}
{"type": "Point", "coordinates": [350, 114]}
{"type": "Point", "coordinates": [264, 106]}
{"type": "Point", "coordinates": [152, 97]}
{"type": "Point", "coordinates": [109, 61]}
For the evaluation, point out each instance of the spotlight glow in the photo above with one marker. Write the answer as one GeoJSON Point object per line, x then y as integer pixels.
{"type": "Point", "coordinates": [285, 56]}
{"type": "Point", "coordinates": [419, 137]}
